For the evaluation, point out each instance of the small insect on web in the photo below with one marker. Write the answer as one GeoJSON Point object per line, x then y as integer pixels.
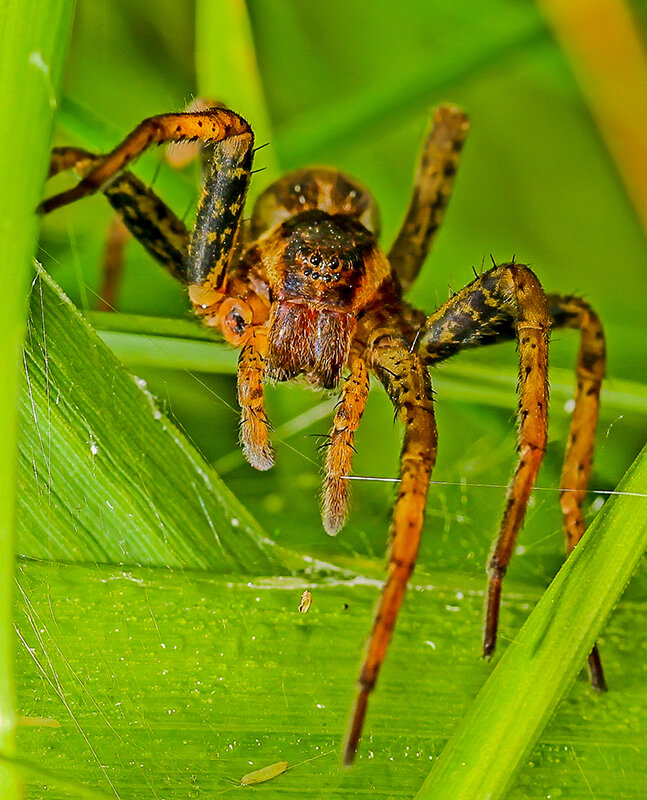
{"type": "Point", "coordinates": [303, 288]}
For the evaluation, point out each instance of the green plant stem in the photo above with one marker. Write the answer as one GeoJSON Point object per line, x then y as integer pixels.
{"type": "Point", "coordinates": [494, 739]}
{"type": "Point", "coordinates": [183, 344]}
{"type": "Point", "coordinates": [227, 70]}
{"type": "Point", "coordinates": [33, 41]}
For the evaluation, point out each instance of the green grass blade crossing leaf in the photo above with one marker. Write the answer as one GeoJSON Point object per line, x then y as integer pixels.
{"type": "Point", "coordinates": [494, 739]}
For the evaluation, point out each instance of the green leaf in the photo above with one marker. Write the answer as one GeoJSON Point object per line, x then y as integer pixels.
{"type": "Point", "coordinates": [104, 475]}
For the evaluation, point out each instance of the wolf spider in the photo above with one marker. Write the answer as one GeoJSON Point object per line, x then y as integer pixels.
{"type": "Point", "coordinates": [303, 288]}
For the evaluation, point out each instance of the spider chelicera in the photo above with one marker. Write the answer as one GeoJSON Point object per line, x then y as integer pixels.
{"type": "Point", "coordinates": [303, 288]}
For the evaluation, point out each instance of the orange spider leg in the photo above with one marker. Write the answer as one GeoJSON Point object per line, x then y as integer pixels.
{"type": "Point", "coordinates": [340, 449]}
{"type": "Point", "coordinates": [212, 243]}
{"type": "Point", "coordinates": [80, 160]}
{"type": "Point", "coordinates": [432, 189]}
{"type": "Point", "coordinates": [147, 217]}
{"type": "Point", "coordinates": [408, 385]}
{"type": "Point", "coordinates": [533, 423]}
{"type": "Point", "coordinates": [571, 312]}
{"type": "Point", "coordinates": [533, 328]}
{"type": "Point", "coordinates": [210, 126]}
{"type": "Point", "coordinates": [180, 154]}
{"type": "Point", "coordinates": [254, 423]}
{"type": "Point", "coordinates": [506, 295]}
{"type": "Point", "coordinates": [63, 158]}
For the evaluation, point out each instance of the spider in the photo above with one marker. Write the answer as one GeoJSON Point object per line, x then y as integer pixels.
{"type": "Point", "coordinates": [303, 288]}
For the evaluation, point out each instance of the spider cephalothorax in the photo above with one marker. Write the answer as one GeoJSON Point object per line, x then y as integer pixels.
{"type": "Point", "coordinates": [323, 269]}
{"type": "Point", "coordinates": [304, 289]}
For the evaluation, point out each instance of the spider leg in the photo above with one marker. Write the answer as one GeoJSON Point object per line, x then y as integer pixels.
{"type": "Point", "coordinates": [209, 126]}
{"type": "Point", "coordinates": [408, 385]}
{"type": "Point", "coordinates": [179, 154]}
{"type": "Point", "coordinates": [148, 218]}
{"type": "Point", "coordinates": [340, 449]}
{"type": "Point", "coordinates": [112, 268]}
{"type": "Point", "coordinates": [432, 189]}
{"type": "Point", "coordinates": [254, 423]}
{"type": "Point", "coordinates": [213, 239]}
{"type": "Point", "coordinates": [507, 294]}
{"type": "Point", "coordinates": [572, 312]}
{"type": "Point", "coordinates": [63, 158]}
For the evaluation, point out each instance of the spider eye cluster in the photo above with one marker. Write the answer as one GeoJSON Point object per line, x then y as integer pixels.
{"type": "Point", "coordinates": [319, 257]}
{"type": "Point", "coordinates": [324, 267]}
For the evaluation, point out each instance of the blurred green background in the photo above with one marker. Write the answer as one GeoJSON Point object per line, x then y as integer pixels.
{"type": "Point", "coordinates": [352, 85]}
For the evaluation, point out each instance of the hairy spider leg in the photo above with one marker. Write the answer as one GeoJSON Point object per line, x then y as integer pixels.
{"type": "Point", "coordinates": [512, 291]}
{"type": "Point", "coordinates": [496, 326]}
{"type": "Point", "coordinates": [148, 218]}
{"type": "Point", "coordinates": [179, 154]}
{"type": "Point", "coordinates": [408, 385]}
{"type": "Point", "coordinates": [221, 204]}
{"type": "Point", "coordinates": [209, 126]}
{"type": "Point", "coordinates": [572, 312]}
{"type": "Point", "coordinates": [200, 259]}
{"type": "Point", "coordinates": [152, 215]}
{"type": "Point", "coordinates": [340, 446]}
{"type": "Point", "coordinates": [254, 423]}
{"type": "Point", "coordinates": [211, 243]}
{"type": "Point", "coordinates": [432, 189]}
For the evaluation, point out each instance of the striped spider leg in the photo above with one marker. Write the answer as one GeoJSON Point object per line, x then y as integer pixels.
{"type": "Point", "coordinates": [207, 259]}
{"type": "Point", "coordinates": [505, 302]}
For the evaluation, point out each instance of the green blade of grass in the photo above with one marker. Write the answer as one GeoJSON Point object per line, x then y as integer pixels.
{"type": "Point", "coordinates": [227, 69]}
{"type": "Point", "coordinates": [33, 42]}
{"type": "Point", "coordinates": [540, 665]}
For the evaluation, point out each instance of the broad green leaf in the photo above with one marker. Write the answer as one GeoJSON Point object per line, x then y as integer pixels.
{"type": "Point", "coordinates": [186, 681]}
{"type": "Point", "coordinates": [104, 476]}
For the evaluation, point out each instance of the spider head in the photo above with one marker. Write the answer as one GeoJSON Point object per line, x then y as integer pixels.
{"type": "Point", "coordinates": [323, 269]}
